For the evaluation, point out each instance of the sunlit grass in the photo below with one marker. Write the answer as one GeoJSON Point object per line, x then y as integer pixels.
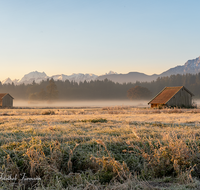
{"type": "Point", "coordinates": [107, 147]}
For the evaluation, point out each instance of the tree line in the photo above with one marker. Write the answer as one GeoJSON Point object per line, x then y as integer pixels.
{"type": "Point", "coordinates": [94, 90]}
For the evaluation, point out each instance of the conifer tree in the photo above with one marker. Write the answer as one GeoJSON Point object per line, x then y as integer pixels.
{"type": "Point", "coordinates": [52, 92]}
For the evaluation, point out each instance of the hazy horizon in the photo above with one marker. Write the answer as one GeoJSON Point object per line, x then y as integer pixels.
{"type": "Point", "coordinates": [77, 73]}
{"type": "Point", "coordinates": [65, 37]}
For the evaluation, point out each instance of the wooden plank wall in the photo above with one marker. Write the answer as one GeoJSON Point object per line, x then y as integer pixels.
{"type": "Point", "coordinates": [181, 98]}
{"type": "Point", "coordinates": [7, 101]}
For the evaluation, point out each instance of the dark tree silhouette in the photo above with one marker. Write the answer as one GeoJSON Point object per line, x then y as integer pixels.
{"type": "Point", "coordinates": [138, 92]}
{"type": "Point", "coordinates": [42, 95]}
{"type": "Point", "coordinates": [52, 92]}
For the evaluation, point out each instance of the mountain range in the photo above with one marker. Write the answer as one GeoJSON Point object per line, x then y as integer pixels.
{"type": "Point", "coordinates": [191, 66]}
{"type": "Point", "coordinates": [39, 76]}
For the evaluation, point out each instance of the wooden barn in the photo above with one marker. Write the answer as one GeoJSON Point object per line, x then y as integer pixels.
{"type": "Point", "coordinates": [173, 96]}
{"type": "Point", "coordinates": [6, 100]}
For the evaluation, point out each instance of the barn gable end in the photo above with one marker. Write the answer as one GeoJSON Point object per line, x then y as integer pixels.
{"type": "Point", "coordinates": [6, 100]}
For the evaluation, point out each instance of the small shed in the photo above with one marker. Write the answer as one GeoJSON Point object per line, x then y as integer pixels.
{"type": "Point", "coordinates": [173, 96]}
{"type": "Point", "coordinates": [6, 100]}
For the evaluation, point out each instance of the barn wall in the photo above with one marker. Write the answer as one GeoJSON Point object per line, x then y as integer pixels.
{"type": "Point", "coordinates": [182, 98]}
{"type": "Point", "coordinates": [7, 101]}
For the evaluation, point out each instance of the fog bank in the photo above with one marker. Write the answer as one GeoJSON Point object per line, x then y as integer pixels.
{"type": "Point", "coordinates": [95, 103]}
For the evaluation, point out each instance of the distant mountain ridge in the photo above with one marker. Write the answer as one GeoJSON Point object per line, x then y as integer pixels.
{"type": "Point", "coordinates": [191, 66]}
{"type": "Point", "coordinates": [39, 76]}
{"type": "Point", "coordinates": [129, 77]}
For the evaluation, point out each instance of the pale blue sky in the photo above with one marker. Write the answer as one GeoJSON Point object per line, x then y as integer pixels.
{"type": "Point", "coordinates": [96, 36]}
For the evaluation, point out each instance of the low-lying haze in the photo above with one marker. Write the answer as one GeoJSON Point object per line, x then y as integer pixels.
{"type": "Point", "coordinates": [92, 103]}
{"type": "Point", "coordinates": [100, 103]}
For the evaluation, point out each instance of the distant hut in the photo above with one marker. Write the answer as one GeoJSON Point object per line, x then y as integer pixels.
{"type": "Point", "coordinates": [6, 100]}
{"type": "Point", "coordinates": [173, 96]}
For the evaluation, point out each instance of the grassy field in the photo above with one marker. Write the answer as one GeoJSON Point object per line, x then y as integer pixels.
{"type": "Point", "coordinates": [100, 148]}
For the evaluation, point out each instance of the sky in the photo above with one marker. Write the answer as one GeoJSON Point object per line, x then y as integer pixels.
{"type": "Point", "coordinates": [96, 36]}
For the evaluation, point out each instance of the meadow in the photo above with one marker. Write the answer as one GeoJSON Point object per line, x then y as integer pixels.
{"type": "Point", "coordinates": [90, 148]}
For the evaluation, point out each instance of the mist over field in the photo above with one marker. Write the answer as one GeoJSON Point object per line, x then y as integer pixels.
{"type": "Point", "coordinates": [197, 102]}
{"type": "Point", "coordinates": [86, 103]}
{"type": "Point", "coordinates": [92, 103]}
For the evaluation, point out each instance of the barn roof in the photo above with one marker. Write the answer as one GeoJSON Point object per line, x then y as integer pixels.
{"type": "Point", "coordinates": [166, 94]}
{"type": "Point", "coordinates": [3, 94]}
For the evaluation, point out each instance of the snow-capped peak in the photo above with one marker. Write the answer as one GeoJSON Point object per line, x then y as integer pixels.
{"type": "Point", "coordinates": [193, 63]}
{"type": "Point", "coordinates": [7, 81]}
{"type": "Point", "coordinates": [75, 77]}
{"type": "Point", "coordinates": [192, 66]}
{"type": "Point", "coordinates": [33, 76]}
{"type": "Point", "coordinates": [111, 73]}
